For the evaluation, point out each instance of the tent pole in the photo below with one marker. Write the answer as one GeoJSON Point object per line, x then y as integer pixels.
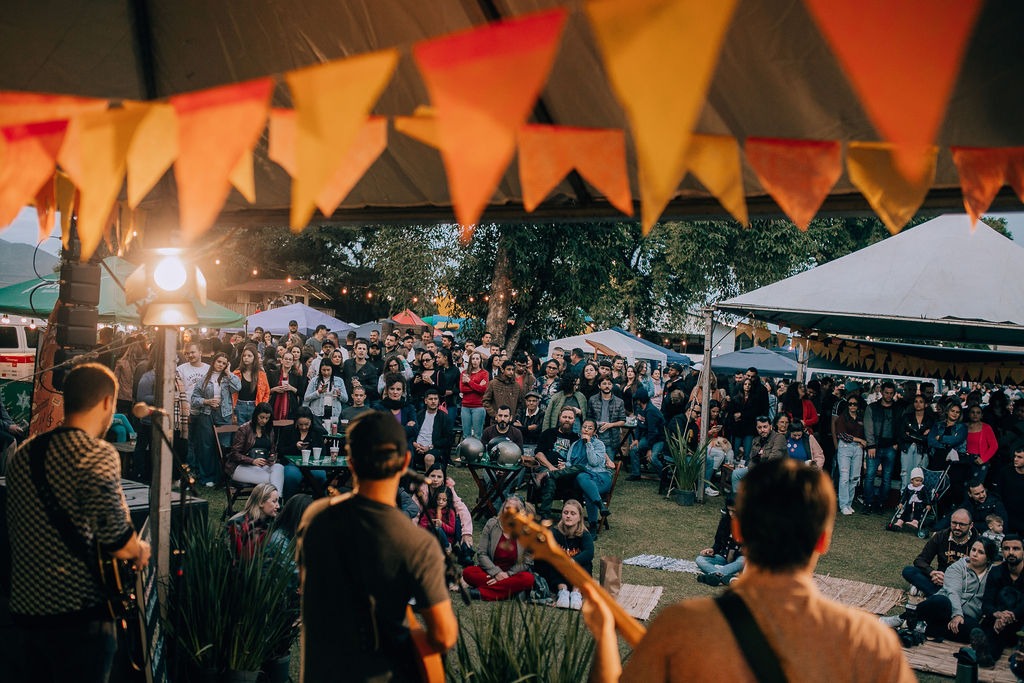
{"type": "Point", "coordinates": [705, 387]}
{"type": "Point", "coordinates": [801, 363]}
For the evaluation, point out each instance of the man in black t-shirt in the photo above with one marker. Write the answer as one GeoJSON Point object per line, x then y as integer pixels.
{"type": "Point", "coordinates": [553, 454]}
{"type": "Point", "coordinates": [361, 560]}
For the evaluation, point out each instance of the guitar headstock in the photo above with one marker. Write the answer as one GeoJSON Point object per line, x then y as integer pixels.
{"type": "Point", "coordinates": [531, 533]}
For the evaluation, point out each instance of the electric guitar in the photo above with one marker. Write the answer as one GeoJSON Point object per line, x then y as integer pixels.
{"type": "Point", "coordinates": [539, 540]}
{"type": "Point", "coordinates": [121, 582]}
{"type": "Point", "coordinates": [428, 660]}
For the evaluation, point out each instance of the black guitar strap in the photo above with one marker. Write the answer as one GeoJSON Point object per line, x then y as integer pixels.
{"type": "Point", "coordinates": [759, 654]}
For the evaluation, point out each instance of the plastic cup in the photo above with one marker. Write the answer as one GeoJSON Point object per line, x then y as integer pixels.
{"type": "Point", "coordinates": [316, 453]}
{"type": "Point", "coordinates": [327, 426]}
{"type": "Point", "coordinates": [334, 453]}
{"type": "Point", "coordinates": [305, 456]}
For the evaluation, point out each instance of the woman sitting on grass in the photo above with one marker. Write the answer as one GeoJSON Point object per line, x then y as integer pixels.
{"type": "Point", "coordinates": [248, 530]}
{"type": "Point", "coordinates": [722, 563]}
{"type": "Point", "coordinates": [571, 535]}
{"type": "Point", "coordinates": [439, 518]}
{"type": "Point", "coordinates": [502, 566]}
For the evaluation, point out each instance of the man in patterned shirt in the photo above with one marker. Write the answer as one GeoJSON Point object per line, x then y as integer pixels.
{"type": "Point", "coordinates": [56, 599]}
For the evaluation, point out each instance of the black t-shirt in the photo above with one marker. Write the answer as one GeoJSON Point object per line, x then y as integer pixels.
{"type": "Point", "coordinates": [361, 562]}
{"type": "Point", "coordinates": [555, 445]}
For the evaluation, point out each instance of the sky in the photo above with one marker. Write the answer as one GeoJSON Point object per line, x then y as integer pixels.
{"type": "Point", "coordinates": [25, 230]}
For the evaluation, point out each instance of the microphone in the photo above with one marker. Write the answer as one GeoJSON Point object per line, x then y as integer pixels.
{"type": "Point", "coordinates": [141, 410]}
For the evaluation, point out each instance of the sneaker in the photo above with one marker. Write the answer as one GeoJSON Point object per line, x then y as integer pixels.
{"type": "Point", "coordinates": [847, 510]}
{"type": "Point", "coordinates": [895, 621]}
{"type": "Point", "coordinates": [563, 599]}
{"type": "Point", "coordinates": [914, 591]}
{"type": "Point", "coordinates": [979, 641]}
{"type": "Point", "coordinates": [708, 579]}
{"type": "Point", "coordinates": [209, 484]}
{"type": "Point", "coordinates": [633, 477]}
{"type": "Point", "coordinates": [710, 491]}
{"type": "Point", "coordinates": [866, 510]}
{"type": "Point", "coordinates": [575, 600]}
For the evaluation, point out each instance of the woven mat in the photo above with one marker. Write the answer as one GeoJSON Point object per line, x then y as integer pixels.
{"type": "Point", "coordinates": [865, 596]}
{"type": "Point", "coordinates": [938, 658]}
{"type": "Point", "coordinates": [639, 601]}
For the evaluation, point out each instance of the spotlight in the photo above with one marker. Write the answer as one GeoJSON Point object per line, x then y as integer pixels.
{"type": "Point", "coordinates": [169, 274]}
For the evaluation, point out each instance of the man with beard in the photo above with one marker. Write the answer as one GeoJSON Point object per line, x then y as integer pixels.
{"type": "Point", "coordinates": [881, 420]}
{"type": "Point", "coordinates": [553, 455]}
{"type": "Point", "coordinates": [609, 411]}
{"type": "Point", "coordinates": [434, 437]}
{"type": "Point", "coordinates": [502, 428]}
{"type": "Point", "coordinates": [503, 390]}
{"type": "Point", "coordinates": [359, 371]}
{"type": "Point", "coordinates": [945, 547]}
{"type": "Point", "coordinates": [391, 349]}
{"type": "Point", "coordinates": [1002, 608]}
{"type": "Point", "coordinates": [530, 419]}
{"type": "Point", "coordinates": [767, 445]}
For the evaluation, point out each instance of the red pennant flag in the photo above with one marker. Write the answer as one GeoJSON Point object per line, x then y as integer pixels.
{"type": "Point", "coordinates": [983, 170]}
{"type": "Point", "coordinates": [28, 159]}
{"type": "Point", "coordinates": [216, 128]}
{"type": "Point", "coordinates": [26, 107]}
{"type": "Point", "coordinates": [483, 84]}
{"type": "Point", "coordinates": [902, 59]}
{"type": "Point", "coordinates": [548, 153]}
{"type": "Point", "coordinates": [798, 174]}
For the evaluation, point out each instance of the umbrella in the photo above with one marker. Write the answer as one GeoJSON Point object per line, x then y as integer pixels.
{"type": "Point", "coordinates": [407, 317]}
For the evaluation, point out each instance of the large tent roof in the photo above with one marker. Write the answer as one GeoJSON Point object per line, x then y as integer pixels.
{"type": "Point", "coordinates": [624, 345]}
{"type": "Point", "coordinates": [670, 355]}
{"type": "Point", "coordinates": [939, 280]}
{"type": "Point", "coordinates": [776, 76]}
{"type": "Point", "coordinates": [275, 320]}
{"type": "Point", "coordinates": [767, 362]}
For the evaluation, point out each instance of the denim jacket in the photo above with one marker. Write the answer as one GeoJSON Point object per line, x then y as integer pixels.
{"type": "Point", "coordinates": [944, 437]}
{"type": "Point", "coordinates": [229, 384]}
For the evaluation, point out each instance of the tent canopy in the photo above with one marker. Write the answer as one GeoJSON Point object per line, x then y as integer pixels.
{"type": "Point", "coordinates": [767, 362]}
{"type": "Point", "coordinates": [940, 280]}
{"type": "Point", "coordinates": [38, 296]}
{"type": "Point", "coordinates": [775, 76]}
{"type": "Point", "coordinates": [625, 345]}
{"type": "Point", "coordinates": [276, 320]}
{"type": "Point", "coordinates": [407, 317]}
{"type": "Point", "coordinates": [670, 355]}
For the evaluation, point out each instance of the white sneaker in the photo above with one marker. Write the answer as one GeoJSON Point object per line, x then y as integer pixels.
{"type": "Point", "coordinates": [710, 492]}
{"type": "Point", "coordinates": [847, 510]}
{"type": "Point", "coordinates": [575, 600]}
{"type": "Point", "coordinates": [563, 599]}
{"type": "Point", "coordinates": [893, 622]}
{"type": "Point", "coordinates": [914, 590]}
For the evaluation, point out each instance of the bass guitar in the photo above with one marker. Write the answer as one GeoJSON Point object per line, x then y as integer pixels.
{"type": "Point", "coordinates": [538, 539]}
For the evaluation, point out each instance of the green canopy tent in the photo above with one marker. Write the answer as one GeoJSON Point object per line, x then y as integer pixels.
{"type": "Point", "coordinates": [37, 297]}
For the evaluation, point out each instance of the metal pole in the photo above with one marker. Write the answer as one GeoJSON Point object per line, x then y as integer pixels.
{"type": "Point", "coordinates": [705, 388]}
{"type": "Point", "coordinates": [801, 363]}
{"type": "Point", "coordinates": [163, 459]}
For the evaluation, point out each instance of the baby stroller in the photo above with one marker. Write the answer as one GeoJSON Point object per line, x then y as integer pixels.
{"type": "Point", "coordinates": [937, 482]}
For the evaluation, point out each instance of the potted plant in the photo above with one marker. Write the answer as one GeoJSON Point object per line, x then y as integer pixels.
{"type": "Point", "coordinates": [687, 466]}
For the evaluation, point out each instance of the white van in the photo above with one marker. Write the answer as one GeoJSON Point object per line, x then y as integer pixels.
{"type": "Point", "coordinates": [19, 338]}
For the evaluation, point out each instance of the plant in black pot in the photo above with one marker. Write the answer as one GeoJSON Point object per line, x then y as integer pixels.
{"type": "Point", "coordinates": [687, 463]}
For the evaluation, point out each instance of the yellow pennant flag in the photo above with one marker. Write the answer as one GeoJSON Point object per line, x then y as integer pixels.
{"type": "Point", "coordinates": [66, 197]}
{"type": "Point", "coordinates": [242, 178]}
{"type": "Point", "coordinates": [872, 169]}
{"type": "Point", "coordinates": [153, 149]}
{"type": "Point", "coordinates": [660, 56]}
{"type": "Point", "coordinates": [781, 339]}
{"type": "Point", "coordinates": [421, 126]}
{"type": "Point", "coordinates": [332, 101]}
{"type": "Point", "coordinates": [715, 160]}
{"type": "Point", "coordinates": [97, 167]}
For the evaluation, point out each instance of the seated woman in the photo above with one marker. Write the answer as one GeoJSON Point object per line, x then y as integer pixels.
{"type": "Point", "coordinates": [719, 452]}
{"type": "Point", "coordinates": [436, 480]}
{"type": "Point", "coordinates": [395, 401]}
{"type": "Point", "coordinates": [502, 566]}
{"type": "Point", "coordinates": [286, 524]}
{"type": "Point", "coordinates": [571, 535]}
{"type": "Point", "coordinates": [439, 518]}
{"type": "Point", "coordinates": [291, 441]}
{"type": "Point", "coordinates": [596, 478]}
{"type": "Point", "coordinates": [248, 530]}
{"type": "Point", "coordinates": [253, 455]}
{"type": "Point", "coordinates": [722, 562]}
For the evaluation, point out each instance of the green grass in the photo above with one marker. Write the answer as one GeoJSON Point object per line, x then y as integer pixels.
{"type": "Point", "coordinates": [644, 523]}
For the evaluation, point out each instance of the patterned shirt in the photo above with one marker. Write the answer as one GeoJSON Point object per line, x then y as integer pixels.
{"type": "Point", "coordinates": [48, 579]}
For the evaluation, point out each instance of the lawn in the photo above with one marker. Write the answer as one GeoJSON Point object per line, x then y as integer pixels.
{"type": "Point", "coordinates": [644, 523]}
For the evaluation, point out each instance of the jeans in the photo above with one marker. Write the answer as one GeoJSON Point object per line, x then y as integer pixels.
{"type": "Point", "coordinates": [716, 456]}
{"type": "Point", "coordinates": [547, 491]}
{"type": "Point", "coordinates": [917, 578]}
{"type": "Point", "coordinates": [936, 611]}
{"type": "Point", "coordinates": [741, 446]}
{"type": "Point", "coordinates": [636, 453]}
{"type": "Point", "coordinates": [886, 456]}
{"type": "Point", "coordinates": [205, 461]}
{"type": "Point", "coordinates": [473, 422]}
{"type": "Point", "coordinates": [909, 459]}
{"type": "Point", "coordinates": [244, 411]}
{"type": "Point", "coordinates": [594, 485]}
{"type": "Point", "coordinates": [83, 653]}
{"type": "Point", "coordinates": [849, 457]}
{"type": "Point", "coordinates": [716, 564]}
{"type": "Point", "coordinates": [293, 480]}
{"type": "Point", "coordinates": [737, 477]}
{"type": "Point", "coordinates": [272, 474]}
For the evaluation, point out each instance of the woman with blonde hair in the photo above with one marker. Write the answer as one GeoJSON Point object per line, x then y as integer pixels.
{"type": "Point", "coordinates": [571, 535]}
{"type": "Point", "coordinates": [248, 529]}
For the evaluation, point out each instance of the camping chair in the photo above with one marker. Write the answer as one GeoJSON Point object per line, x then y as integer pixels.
{"type": "Point", "coordinates": [233, 489]}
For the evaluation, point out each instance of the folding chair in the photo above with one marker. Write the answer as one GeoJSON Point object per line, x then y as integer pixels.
{"type": "Point", "coordinates": [233, 489]}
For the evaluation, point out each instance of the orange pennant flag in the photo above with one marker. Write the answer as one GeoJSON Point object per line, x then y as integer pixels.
{"type": "Point", "coordinates": [243, 179]}
{"type": "Point", "coordinates": [660, 56]}
{"type": "Point", "coordinates": [281, 145]}
{"type": "Point", "coordinates": [872, 170]}
{"type": "Point", "coordinates": [798, 174]}
{"type": "Point", "coordinates": [421, 126]}
{"type": "Point", "coordinates": [332, 101]}
{"type": "Point", "coordinates": [154, 148]}
{"type": "Point", "coordinates": [715, 161]}
{"type": "Point", "coordinates": [548, 153]}
{"type": "Point", "coordinates": [902, 59]}
{"type": "Point", "coordinates": [66, 196]}
{"type": "Point", "coordinates": [23, 107]}
{"type": "Point", "coordinates": [216, 128]}
{"type": "Point", "coordinates": [94, 156]}
{"type": "Point", "coordinates": [483, 84]}
{"type": "Point", "coordinates": [28, 157]}
{"type": "Point", "coordinates": [983, 170]}
{"type": "Point", "coordinates": [46, 205]}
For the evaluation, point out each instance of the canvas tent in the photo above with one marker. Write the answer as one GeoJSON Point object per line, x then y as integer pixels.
{"type": "Point", "coordinates": [625, 345]}
{"type": "Point", "coordinates": [940, 281]}
{"type": "Point", "coordinates": [670, 355]}
{"type": "Point", "coordinates": [276, 320]}
{"type": "Point", "coordinates": [768, 362]}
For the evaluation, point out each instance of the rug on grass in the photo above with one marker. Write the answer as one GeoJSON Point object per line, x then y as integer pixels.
{"type": "Point", "coordinates": [938, 658]}
{"type": "Point", "coordinates": [639, 601]}
{"type": "Point", "coordinates": [866, 596]}
{"type": "Point", "coordinates": [668, 564]}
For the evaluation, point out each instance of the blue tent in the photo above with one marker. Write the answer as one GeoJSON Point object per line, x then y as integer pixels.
{"type": "Point", "coordinates": [768, 363]}
{"type": "Point", "coordinates": [670, 355]}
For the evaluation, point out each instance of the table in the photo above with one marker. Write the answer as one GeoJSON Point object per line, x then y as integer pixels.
{"type": "Point", "coordinates": [337, 470]}
{"type": "Point", "coordinates": [494, 484]}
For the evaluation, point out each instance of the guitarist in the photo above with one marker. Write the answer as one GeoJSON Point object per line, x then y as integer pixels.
{"type": "Point", "coordinates": [361, 560]}
{"type": "Point", "coordinates": [56, 597]}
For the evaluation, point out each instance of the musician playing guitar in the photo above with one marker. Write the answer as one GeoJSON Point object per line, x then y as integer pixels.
{"type": "Point", "coordinates": [361, 560]}
{"type": "Point", "coordinates": [65, 499]}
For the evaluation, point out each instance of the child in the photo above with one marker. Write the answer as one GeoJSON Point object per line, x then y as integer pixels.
{"type": "Point", "coordinates": [994, 532]}
{"type": "Point", "coordinates": [441, 518]}
{"type": "Point", "coordinates": [914, 501]}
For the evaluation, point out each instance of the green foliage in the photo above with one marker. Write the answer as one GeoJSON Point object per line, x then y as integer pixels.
{"type": "Point", "coordinates": [514, 642]}
{"type": "Point", "coordinates": [688, 464]}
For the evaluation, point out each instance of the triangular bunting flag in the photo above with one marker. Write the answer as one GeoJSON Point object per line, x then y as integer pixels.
{"type": "Point", "coordinates": [421, 126]}
{"type": "Point", "coordinates": [242, 178]}
{"type": "Point", "coordinates": [332, 101]}
{"type": "Point", "coordinates": [281, 145]}
{"type": "Point", "coordinates": [28, 157]}
{"type": "Point", "coordinates": [23, 107]}
{"type": "Point", "coordinates": [66, 197]}
{"type": "Point", "coordinates": [781, 339]}
{"type": "Point", "coordinates": [46, 206]}
{"type": "Point", "coordinates": [872, 169]}
{"type": "Point", "coordinates": [154, 148]}
{"type": "Point", "coordinates": [902, 59]}
{"type": "Point", "coordinates": [215, 128]}
{"type": "Point", "coordinates": [798, 174]}
{"type": "Point", "coordinates": [715, 161]}
{"type": "Point", "coordinates": [983, 170]}
{"type": "Point", "coordinates": [548, 153]}
{"type": "Point", "coordinates": [483, 84]}
{"type": "Point", "coordinates": [645, 45]}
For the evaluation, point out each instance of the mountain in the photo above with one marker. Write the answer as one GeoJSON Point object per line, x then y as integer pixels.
{"type": "Point", "coordinates": [16, 262]}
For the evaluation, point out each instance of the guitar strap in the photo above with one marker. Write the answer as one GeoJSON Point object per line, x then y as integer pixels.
{"type": "Point", "coordinates": [759, 654]}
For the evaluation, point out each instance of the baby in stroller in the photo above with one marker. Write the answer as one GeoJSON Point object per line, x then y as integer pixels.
{"type": "Point", "coordinates": [914, 503]}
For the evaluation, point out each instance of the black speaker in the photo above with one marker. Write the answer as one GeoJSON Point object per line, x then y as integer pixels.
{"type": "Point", "coordinates": [80, 284]}
{"type": "Point", "coordinates": [76, 326]}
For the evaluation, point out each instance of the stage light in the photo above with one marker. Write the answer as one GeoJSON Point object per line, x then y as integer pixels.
{"type": "Point", "coordinates": [169, 274]}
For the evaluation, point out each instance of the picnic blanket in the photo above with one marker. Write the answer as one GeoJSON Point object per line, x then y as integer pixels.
{"type": "Point", "coordinates": [639, 601]}
{"type": "Point", "coordinates": [938, 658]}
{"type": "Point", "coordinates": [667, 564]}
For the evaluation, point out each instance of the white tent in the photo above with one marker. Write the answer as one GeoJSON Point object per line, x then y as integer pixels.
{"type": "Point", "coordinates": [276, 320]}
{"type": "Point", "coordinates": [939, 280]}
{"type": "Point", "coordinates": [622, 344]}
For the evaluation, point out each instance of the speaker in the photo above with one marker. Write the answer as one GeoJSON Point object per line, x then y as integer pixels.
{"type": "Point", "coordinates": [76, 326]}
{"type": "Point", "coordinates": [80, 284]}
